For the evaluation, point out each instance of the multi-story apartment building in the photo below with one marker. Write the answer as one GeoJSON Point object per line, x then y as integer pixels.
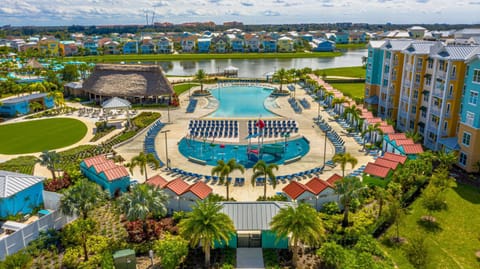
{"type": "Point", "coordinates": [469, 126]}
{"type": "Point", "coordinates": [422, 86]}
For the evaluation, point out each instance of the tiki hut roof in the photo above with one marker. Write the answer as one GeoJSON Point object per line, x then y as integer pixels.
{"type": "Point", "coordinates": [127, 80]}
{"type": "Point", "coordinates": [34, 64]}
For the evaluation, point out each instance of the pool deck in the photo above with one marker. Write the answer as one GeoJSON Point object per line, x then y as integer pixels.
{"type": "Point", "coordinates": [314, 158]}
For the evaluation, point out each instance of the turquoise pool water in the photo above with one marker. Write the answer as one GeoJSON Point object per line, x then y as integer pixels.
{"type": "Point", "coordinates": [211, 153]}
{"type": "Point", "coordinates": [241, 102]}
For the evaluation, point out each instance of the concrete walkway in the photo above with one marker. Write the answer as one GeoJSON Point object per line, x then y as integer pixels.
{"type": "Point", "coordinates": [251, 258]}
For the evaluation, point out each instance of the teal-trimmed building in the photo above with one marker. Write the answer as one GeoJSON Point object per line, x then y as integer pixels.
{"type": "Point", "coordinates": [21, 105]}
{"type": "Point", "coordinates": [110, 176]}
{"type": "Point", "coordinates": [398, 143]}
{"type": "Point", "coordinates": [469, 123]}
{"type": "Point", "coordinates": [19, 193]}
{"type": "Point", "coordinates": [373, 76]}
{"type": "Point", "coordinates": [252, 224]}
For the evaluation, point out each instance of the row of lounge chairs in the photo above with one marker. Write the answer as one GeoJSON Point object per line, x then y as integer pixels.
{"type": "Point", "coordinates": [149, 142]}
{"type": "Point", "coordinates": [213, 128]}
{"type": "Point", "coordinates": [358, 171]}
{"type": "Point", "coordinates": [272, 128]}
{"type": "Point", "coordinates": [336, 140]}
{"type": "Point", "coordinates": [304, 102]}
{"type": "Point", "coordinates": [192, 105]}
{"type": "Point", "coordinates": [293, 103]}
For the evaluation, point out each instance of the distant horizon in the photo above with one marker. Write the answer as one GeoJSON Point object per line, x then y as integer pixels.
{"type": "Point", "coordinates": [134, 12]}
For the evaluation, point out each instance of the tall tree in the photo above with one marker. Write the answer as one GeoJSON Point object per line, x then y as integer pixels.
{"type": "Point", "coordinates": [338, 101]}
{"type": "Point", "coordinates": [343, 159]}
{"type": "Point", "coordinates": [281, 75]}
{"type": "Point", "coordinates": [301, 223]}
{"type": "Point", "coordinates": [172, 250]}
{"type": "Point", "coordinates": [348, 188]}
{"type": "Point", "coordinates": [205, 225]}
{"type": "Point", "coordinates": [352, 113]}
{"type": "Point", "coordinates": [143, 202]}
{"type": "Point", "coordinates": [70, 73]}
{"type": "Point", "coordinates": [446, 160]}
{"type": "Point", "coordinates": [262, 169]}
{"type": "Point", "coordinates": [223, 170]}
{"type": "Point", "coordinates": [200, 76]}
{"type": "Point", "coordinates": [81, 198]}
{"type": "Point", "coordinates": [49, 159]}
{"type": "Point", "coordinates": [413, 135]}
{"type": "Point", "coordinates": [142, 160]}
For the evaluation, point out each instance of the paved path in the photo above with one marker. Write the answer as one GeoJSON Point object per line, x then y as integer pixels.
{"type": "Point", "coordinates": [251, 258]}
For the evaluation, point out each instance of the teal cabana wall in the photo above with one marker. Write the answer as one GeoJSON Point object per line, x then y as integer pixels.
{"type": "Point", "coordinates": [113, 187]}
{"type": "Point", "coordinates": [270, 240]}
{"type": "Point", "coordinates": [22, 202]}
{"type": "Point", "coordinates": [232, 242]}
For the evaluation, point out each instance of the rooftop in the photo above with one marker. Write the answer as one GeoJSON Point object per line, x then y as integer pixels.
{"type": "Point", "coordinates": [12, 183]}
{"type": "Point", "coordinates": [376, 170]}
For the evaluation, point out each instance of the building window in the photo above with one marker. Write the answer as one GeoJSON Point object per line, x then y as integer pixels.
{"type": "Point", "coordinates": [470, 118]}
{"type": "Point", "coordinates": [466, 139]}
{"type": "Point", "coordinates": [462, 159]}
{"type": "Point", "coordinates": [445, 125]}
{"type": "Point", "coordinates": [424, 113]}
{"type": "Point", "coordinates": [430, 63]}
{"type": "Point", "coordinates": [412, 124]}
{"type": "Point", "coordinates": [417, 78]}
{"type": "Point", "coordinates": [415, 94]}
{"type": "Point", "coordinates": [428, 81]}
{"type": "Point", "coordinates": [473, 98]}
{"type": "Point", "coordinates": [476, 75]}
{"type": "Point", "coordinates": [414, 109]}
{"type": "Point", "coordinates": [450, 90]}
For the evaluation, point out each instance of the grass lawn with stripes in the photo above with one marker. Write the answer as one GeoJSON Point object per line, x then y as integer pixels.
{"type": "Point", "coordinates": [40, 135]}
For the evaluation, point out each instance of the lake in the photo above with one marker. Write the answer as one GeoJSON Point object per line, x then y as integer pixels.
{"type": "Point", "coordinates": [259, 67]}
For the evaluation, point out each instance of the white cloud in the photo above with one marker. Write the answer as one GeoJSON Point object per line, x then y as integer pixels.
{"type": "Point", "coordinates": [88, 12]}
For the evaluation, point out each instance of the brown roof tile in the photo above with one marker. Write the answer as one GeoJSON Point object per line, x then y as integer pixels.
{"type": "Point", "coordinates": [334, 178]}
{"type": "Point", "coordinates": [376, 170]}
{"type": "Point", "coordinates": [317, 185]}
{"type": "Point", "coordinates": [395, 157]}
{"type": "Point", "coordinates": [413, 149]}
{"type": "Point", "coordinates": [157, 181]}
{"type": "Point", "coordinates": [116, 173]}
{"type": "Point", "coordinates": [295, 189]}
{"type": "Point", "coordinates": [200, 189]}
{"type": "Point", "coordinates": [386, 163]}
{"type": "Point", "coordinates": [178, 186]}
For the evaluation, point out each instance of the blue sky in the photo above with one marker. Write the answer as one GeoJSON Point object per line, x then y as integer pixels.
{"type": "Point", "coordinates": [90, 12]}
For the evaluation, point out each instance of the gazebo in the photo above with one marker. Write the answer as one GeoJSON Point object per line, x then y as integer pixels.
{"type": "Point", "coordinates": [117, 103]}
{"type": "Point", "coordinates": [230, 71]}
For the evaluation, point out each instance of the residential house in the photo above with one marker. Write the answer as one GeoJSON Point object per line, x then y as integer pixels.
{"type": "Point", "coordinates": [130, 47]}
{"type": "Point", "coordinates": [19, 193]}
{"type": "Point", "coordinates": [252, 42]}
{"type": "Point", "coordinates": [68, 48]}
{"type": "Point", "coordinates": [111, 47]}
{"type": "Point", "coordinates": [21, 105]}
{"type": "Point", "coordinates": [147, 46]}
{"type": "Point", "coordinates": [203, 45]}
{"type": "Point", "coordinates": [357, 37]}
{"type": "Point", "coordinates": [238, 44]}
{"type": "Point", "coordinates": [90, 46]}
{"type": "Point", "coordinates": [322, 45]}
{"type": "Point", "coordinates": [221, 44]}
{"type": "Point", "coordinates": [188, 43]}
{"type": "Point", "coordinates": [315, 192]}
{"type": "Point", "coordinates": [165, 45]}
{"type": "Point", "coordinates": [269, 44]}
{"type": "Point", "coordinates": [285, 44]}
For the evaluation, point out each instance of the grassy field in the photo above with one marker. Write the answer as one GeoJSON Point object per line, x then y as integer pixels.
{"type": "Point", "coordinates": [454, 244]}
{"type": "Point", "coordinates": [351, 46]}
{"type": "Point", "coordinates": [192, 56]}
{"type": "Point", "coordinates": [352, 71]}
{"type": "Point", "coordinates": [40, 135]}
{"type": "Point", "coordinates": [351, 89]}
{"type": "Point", "coordinates": [181, 88]}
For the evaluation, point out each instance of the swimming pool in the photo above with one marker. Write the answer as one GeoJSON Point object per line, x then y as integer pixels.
{"type": "Point", "coordinates": [241, 102]}
{"type": "Point", "coordinates": [273, 153]}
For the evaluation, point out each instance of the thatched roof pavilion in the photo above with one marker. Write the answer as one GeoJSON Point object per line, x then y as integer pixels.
{"type": "Point", "coordinates": [136, 83]}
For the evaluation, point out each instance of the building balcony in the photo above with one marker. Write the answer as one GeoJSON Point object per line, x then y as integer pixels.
{"type": "Point", "coordinates": [407, 83]}
{"type": "Point", "coordinates": [441, 74]}
{"type": "Point", "coordinates": [432, 128]}
{"type": "Point", "coordinates": [435, 111]}
{"type": "Point", "coordinates": [405, 98]}
{"type": "Point", "coordinates": [437, 93]}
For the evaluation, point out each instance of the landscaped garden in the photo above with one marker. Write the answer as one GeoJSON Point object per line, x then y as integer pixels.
{"type": "Point", "coordinates": [181, 88]}
{"type": "Point", "coordinates": [351, 72]}
{"type": "Point", "coordinates": [40, 135]}
{"type": "Point", "coordinates": [353, 90]}
{"type": "Point", "coordinates": [454, 238]}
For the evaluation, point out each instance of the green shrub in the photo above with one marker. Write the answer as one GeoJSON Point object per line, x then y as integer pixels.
{"type": "Point", "coordinates": [19, 260]}
{"type": "Point", "coordinates": [330, 208]}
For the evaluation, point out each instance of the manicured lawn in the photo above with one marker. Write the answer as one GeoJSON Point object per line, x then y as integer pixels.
{"type": "Point", "coordinates": [352, 71]}
{"type": "Point", "coordinates": [23, 164]}
{"type": "Point", "coordinates": [454, 244]}
{"type": "Point", "coordinates": [186, 56]}
{"type": "Point", "coordinates": [181, 88]}
{"type": "Point", "coordinates": [351, 46]}
{"type": "Point", "coordinates": [40, 135]}
{"type": "Point", "coordinates": [351, 89]}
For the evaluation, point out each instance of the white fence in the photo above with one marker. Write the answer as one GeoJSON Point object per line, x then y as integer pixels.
{"type": "Point", "coordinates": [20, 239]}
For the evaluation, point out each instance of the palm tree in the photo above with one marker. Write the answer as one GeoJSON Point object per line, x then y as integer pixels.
{"type": "Point", "coordinates": [416, 137]}
{"type": "Point", "coordinates": [301, 223]}
{"type": "Point", "coordinates": [142, 202]}
{"type": "Point", "coordinates": [371, 128]}
{"type": "Point", "coordinates": [205, 225]}
{"type": "Point", "coordinates": [348, 188]}
{"type": "Point", "coordinates": [327, 95]}
{"type": "Point", "coordinates": [354, 113]}
{"type": "Point", "coordinates": [35, 106]}
{"type": "Point", "coordinates": [57, 98]}
{"type": "Point", "coordinates": [343, 159]}
{"type": "Point", "coordinates": [200, 76]}
{"type": "Point", "coordinates": [262, 169]}
{"type": "Point", "coordinates": [223, 170]}
{"type": "Point", "coordinates": [339, 100]}
{"type": "Point", "coordinates": [81, 198]}
{"type": "Point", "coordinates": [281, 75]}
{"type": "Point", "coordinates": [380, 196]}
{"type": "Point", "coordinates": [142, 160]}
{"type": "Point", "coordinates": [446, 159]}
{"type": "Point", "coordinates": [49, 159]}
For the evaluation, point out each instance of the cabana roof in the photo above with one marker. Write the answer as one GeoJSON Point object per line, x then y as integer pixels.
{"type": "Point", "coordinates": [12, 183]}
{"type": "Point", "coordinates": [116, 103]}
{"type": "Point", "coordinates": [127, 80]}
